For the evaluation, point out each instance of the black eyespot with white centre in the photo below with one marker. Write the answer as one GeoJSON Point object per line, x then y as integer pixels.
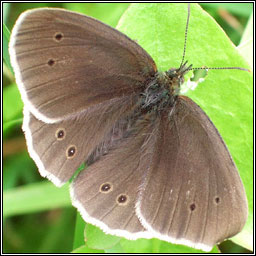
{"type": "Point", "coordinates": [60, 134]}
{"type": "Point", "coordinates": [122, 200]}
{"type": "Point", "coordinates": [71, 151]}
{"type": "Point", "coordinates": [106, 187]}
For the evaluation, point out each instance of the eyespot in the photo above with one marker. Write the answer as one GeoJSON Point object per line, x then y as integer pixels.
{"type": "Point", "coordinates": [51, 62]}
{"type": "Point", "coordinates": [192, 207]}
{"type": "Point", "coordinates": [60, 134]}
{"type": "Point", "coordinates": [71, 151]}
{"type": "Point", "coordinates": [58, 36]}
{"type": "Point", "coordinates": [106, 187]}
{"type": "Point", "coordinates": [217, 200]}
{"type": "Point", "coordinates": [122, 199]}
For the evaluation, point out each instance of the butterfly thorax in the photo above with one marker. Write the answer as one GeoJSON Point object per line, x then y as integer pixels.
{"type": "Point", "coordinates": [163, 89]}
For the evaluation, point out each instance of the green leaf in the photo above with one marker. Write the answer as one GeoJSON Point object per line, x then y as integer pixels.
{"type": "Point", "coordinates": [79, 232]}
{"type": "Point", "coordinates": [9, 125]}
{"type": "Point", "coordinates": [34, 198]}
{"type": "Point", "coordinates": [157, 246]}
{"type": "Point", "coordinates": [246, 45]}
{"type": "Point", "coordinates": [12, 113]}
{"type": "Point", "coordinates": [6, 11]}
{"type": "Point", "coordinates": [86, 249]}
{"type": "Point", "coordinates": [97, 239]}
{"type": "Point", "coordinates": [6, 38]}
{"type": "Point", "coordinates": [13, 170]}
{"type": "Point", "coordinates": [226, 95]}
{"type": "Point", "coordinates": [115, 249]}
{"type": "Point", "coordinates": [56, 239]}
{"type": "Point", "coordinates": [12, 103]}
{"type": "Point", "coordinates": [108, 13]}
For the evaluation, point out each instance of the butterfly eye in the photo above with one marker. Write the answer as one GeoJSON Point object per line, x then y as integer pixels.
{"type": "Point", "coordinates": [122, 199]}
{"type": "Point", "coordinates": [60, 134]}
{"type": "Point", "coordinates": [71, 151]}
{"type": "Point", "coordinates": [106, 187]}
{"type": "Point", "coordinates": [58, 36]}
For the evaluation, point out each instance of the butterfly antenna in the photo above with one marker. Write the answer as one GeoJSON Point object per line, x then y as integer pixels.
{"type": "Point", "coordinates": [186, 33]}
{"type": "Point", "coordinates": [205, 68]}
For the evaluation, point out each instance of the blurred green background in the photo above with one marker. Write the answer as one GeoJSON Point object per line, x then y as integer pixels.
{"type": "Point", "coordinates": [39, 218]}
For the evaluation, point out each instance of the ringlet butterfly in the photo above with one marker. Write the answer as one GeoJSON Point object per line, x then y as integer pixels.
{"type": "Point", "coordinates": [157, 166]}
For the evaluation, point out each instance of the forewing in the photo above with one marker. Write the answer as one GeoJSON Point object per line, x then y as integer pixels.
{"type": "Point", "coordinates": [65, 63]}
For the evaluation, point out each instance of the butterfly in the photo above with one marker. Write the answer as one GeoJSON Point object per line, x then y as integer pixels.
{"type": "Point", "coordinates": [157, 166]}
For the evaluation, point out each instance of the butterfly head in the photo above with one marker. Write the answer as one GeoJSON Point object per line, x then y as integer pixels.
{"type": "Point", "coordinates": [176, 77]}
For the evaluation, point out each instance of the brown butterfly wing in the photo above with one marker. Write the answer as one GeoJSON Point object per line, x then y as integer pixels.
{"type": "Point", "coordinates": [66, 62]}
{"type": "Point", "coordinates": [106, 192]}
{"type": "Point", "coordinates": [192, 193]}
{"type": "Point", "coordinates": [60, 148]}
